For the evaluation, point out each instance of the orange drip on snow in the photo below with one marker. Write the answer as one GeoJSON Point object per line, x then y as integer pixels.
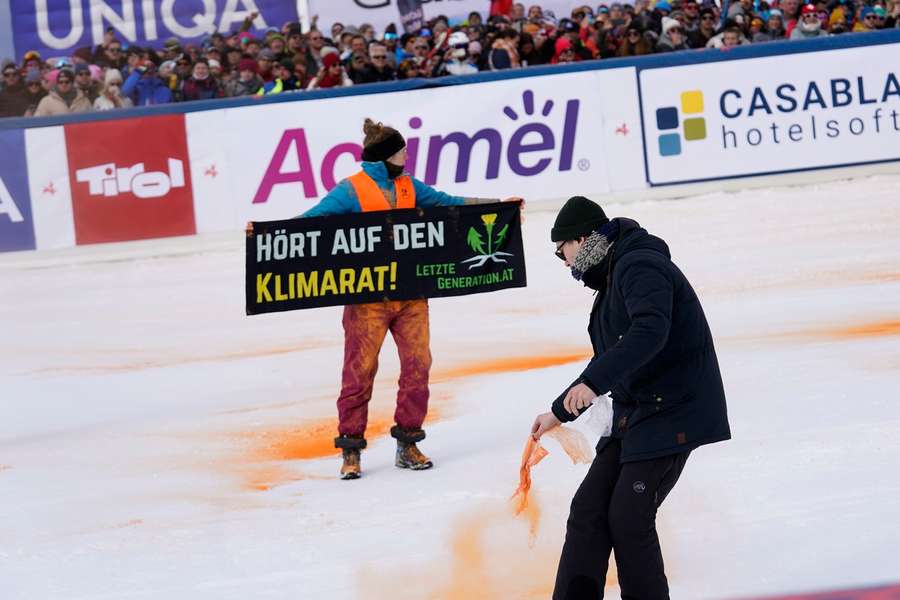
{"type": "Point", "coordinates": [877, 329]}
{"type": "Point", "coordinates": [315, 439]}
{"type": "Point", "coordinates": [505, 365]}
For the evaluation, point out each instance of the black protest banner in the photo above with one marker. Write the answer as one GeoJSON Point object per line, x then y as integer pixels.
{"type": "Point", "coordinates": [385, 255]}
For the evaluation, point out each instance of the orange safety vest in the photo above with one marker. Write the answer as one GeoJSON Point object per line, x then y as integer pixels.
{"type": "Point", "coordinates": [371, 197]}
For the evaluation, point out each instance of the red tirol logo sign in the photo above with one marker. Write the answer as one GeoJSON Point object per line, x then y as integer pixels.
{"type": "Point", "coordinates": [130, 179]}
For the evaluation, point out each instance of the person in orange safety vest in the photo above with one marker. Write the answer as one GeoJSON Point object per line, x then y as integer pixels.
{"type": "Point", "coordinates": [382, 184]}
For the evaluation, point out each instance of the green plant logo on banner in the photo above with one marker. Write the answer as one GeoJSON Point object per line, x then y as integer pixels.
{"type": "Point", "coordinates": [477, 243]}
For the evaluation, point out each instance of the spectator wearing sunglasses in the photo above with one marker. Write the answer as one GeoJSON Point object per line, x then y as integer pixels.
{"type": "Point", "coordinates": [654, 355]}
{"type": "Point", "coordinates": [809, 26]}
{"type": "Point", "coordinates": [13, 102]}
{"type": "Point", "coordinates": [634, 43]}
{"type": "Point", "coordinates": [85, 83]}
{"type": "Point", "coordinates": [691, 20]}
{"type": "Point", "coordinates": [672, 37]}
{"type": "Point", "coordinates": [706, 29]}
{"type": "Point", "coordinates": [871, 19]}
{"type": "Point", "coordinates": [64, 97]}
{"type": "Point", "coordinates": [112, 56]}
{"type": "Point", "coordinates": [377, 67]}
{"type": "Point", "coordinates": [35, 90]}
{"type": "Point", "coordinates": [111, 96]}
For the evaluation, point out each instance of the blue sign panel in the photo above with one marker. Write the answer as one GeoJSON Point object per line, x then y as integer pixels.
{"type": "Point", "coordinates": [16, 224]}
{"type": "Point", "coordinates": [58, 27]}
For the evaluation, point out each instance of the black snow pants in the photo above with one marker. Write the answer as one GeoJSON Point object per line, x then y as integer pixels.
{"type": "Point", "coordinates": [615, 509]}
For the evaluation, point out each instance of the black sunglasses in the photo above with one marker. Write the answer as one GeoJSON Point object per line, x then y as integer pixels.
{"type": "Point", "coordinates": [559, 252]}
{"type": "Point", "coordinates": [9, 74]}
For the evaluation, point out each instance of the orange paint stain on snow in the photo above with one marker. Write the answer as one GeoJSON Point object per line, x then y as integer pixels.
{"type": "Point", "coordinates": [506, 365]}
{"type": "Point", "coordinates": [866, 330]}
{"type": "Point", "coordinates": [315, 439]}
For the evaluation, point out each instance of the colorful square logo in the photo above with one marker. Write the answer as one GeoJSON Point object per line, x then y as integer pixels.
{"type": "Point", "coordinates": [130, 179]}
{"type": "Point", "coordinates": [668, 119]}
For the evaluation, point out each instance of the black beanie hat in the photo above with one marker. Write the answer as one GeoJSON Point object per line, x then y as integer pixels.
{"type": "Point", "coordinates": [577, 218]}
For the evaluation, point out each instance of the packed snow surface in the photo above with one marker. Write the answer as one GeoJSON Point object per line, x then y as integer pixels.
{"type": "Point", "coordinates": [155, 442]}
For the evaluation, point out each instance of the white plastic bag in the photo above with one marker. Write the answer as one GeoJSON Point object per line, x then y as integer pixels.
{"type": "Point", "coordinates": [599, 416]}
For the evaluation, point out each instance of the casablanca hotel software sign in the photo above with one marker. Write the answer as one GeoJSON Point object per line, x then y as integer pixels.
{"type": "Point", "coordinates": [387, 255]}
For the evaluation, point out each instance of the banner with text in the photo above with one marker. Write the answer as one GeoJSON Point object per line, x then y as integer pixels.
{"type": "Point", "coordinates": [384, 255]}
{"type": "Point", "coordinates": [784, 113]}
{"type": "Point", "coordinates": [57, 27]}
{"type": "Point", "coordinates": [550, 136]}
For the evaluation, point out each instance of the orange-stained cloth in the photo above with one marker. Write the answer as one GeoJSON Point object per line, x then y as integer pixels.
{"type": "Point", "coordinates": [532, 455]}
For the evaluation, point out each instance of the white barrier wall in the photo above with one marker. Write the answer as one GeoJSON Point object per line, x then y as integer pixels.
{"type": "Point", "coordinates": [545, 133]}
{"type": "Point", "coordinates": [539, 137]}
{"type": "Point", "coordinates": [781, 114]}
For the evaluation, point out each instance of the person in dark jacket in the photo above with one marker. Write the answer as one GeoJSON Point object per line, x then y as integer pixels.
{"type": "Point", "coordinates": [13, 102]}
{"type": "Point", "coordinates": [654, 355]}
{"type": "Point", "coordinates": [201, 85]}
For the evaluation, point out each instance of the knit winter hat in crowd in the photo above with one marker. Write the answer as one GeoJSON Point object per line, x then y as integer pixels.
{"type": "Point", "coordinates": [331, 59]}
{"type": "Point", "coordinates": [247, 64]}
{"type": "Point", "coordinates": [81, 67]}
{"type": "Point", "coordinates": [809, 9]}
{"type": "Point", "coordinates": [33, 76]}
{"type": "Point", "coordinates": [664, 6]}
{"type": "Point", "coordinates": [112, 76]}
{"type": "Point", "coordinates": [577, 218]}
{"type": "Point", "coordinates": [668, 24]}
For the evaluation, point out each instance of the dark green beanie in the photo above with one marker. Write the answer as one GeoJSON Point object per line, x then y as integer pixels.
{"type": "Point", "coordinates": [577, 218]}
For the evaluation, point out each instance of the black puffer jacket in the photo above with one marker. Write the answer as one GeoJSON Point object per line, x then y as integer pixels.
{"type": "Point", "coordinates": [653, 352]}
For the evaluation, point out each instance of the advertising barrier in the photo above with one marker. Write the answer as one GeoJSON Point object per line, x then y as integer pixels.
{"type": "Point", "coordinates": [782, 114]}
{"type": "Point", "coordinates": [539, 137]}
{"type": "Point", "coordinates": [592, 128]}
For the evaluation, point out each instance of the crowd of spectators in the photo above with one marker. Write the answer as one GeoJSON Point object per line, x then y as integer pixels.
{"type": "Point", "coordinates": [508, 36]}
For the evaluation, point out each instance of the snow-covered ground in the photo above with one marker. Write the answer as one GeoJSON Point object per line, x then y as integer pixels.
{"type": "Point", "coordinates": [157, 443]}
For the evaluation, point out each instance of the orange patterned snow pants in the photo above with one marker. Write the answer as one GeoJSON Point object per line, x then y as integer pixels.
{"type": "Point", "coordinates": [365, 327]}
